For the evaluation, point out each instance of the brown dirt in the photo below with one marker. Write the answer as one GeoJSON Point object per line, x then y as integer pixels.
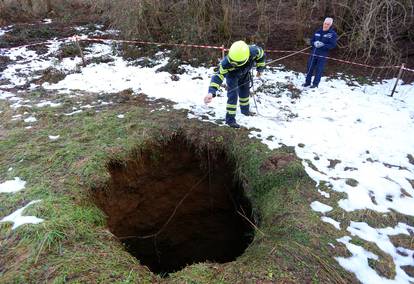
{"type": "Point", "coordinates": [22, 34]}
{"type": "Point", "coordinates": [333, 163]}
{"type": "Point", "coordinates": [409, 270]}
{"type": "Point", "coordinates": [276, 162]}
{"type": "Point", "coordinates": [50, 75]}
{"type": "Point", "coordinates": [3, 133]}
{"type": "Point", "coordinates": [403, 241]}
{"type": "Point", "coordinates": [167, 209]}
{"type": "Point", "coordinates": [4, 60]}
{"type": "Point", "coordinates": [410, 159]}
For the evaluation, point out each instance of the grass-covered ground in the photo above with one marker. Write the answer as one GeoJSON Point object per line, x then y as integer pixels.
{"type": "Point", "coordinates": [291, 243]}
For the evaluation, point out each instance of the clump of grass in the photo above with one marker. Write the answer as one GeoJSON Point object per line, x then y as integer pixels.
{"type": "Point", "coordinates": [68, 50]}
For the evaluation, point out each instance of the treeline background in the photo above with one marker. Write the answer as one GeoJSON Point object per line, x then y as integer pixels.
{"type": "Point", "coordinates": [366, 29]}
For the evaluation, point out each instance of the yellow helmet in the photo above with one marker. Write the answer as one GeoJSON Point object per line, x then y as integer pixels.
{"type": "Point", "coordinates": [239, 53]}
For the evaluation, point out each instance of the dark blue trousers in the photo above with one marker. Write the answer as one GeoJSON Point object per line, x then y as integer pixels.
{"type": "Point", "coordinates": [315, 65]}
{"type": "Point", "coordinates": [237, 88]}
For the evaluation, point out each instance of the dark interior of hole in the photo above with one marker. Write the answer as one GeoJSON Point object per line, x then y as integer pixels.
{"type": "Point", "coordinates": [174, 206]}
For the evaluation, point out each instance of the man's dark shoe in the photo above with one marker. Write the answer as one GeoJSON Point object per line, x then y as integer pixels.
{"type": "Point", "coordinates": [233, 125]}
{"type": "Point", "coordinates": [305, 85]}
{"type": "Point", "coordinates": [314, 86]}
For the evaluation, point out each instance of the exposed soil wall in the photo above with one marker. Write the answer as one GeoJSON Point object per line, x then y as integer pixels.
{"type": "Point", "coordinates": [174, 205]}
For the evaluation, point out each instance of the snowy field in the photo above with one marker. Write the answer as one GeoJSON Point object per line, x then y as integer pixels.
{"type": "Point", "coordinates": [367, 134]}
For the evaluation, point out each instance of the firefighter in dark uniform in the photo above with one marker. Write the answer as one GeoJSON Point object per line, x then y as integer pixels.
{"type": "Point", "coordinates": [322, 41]}
{"type": "Point", "coordinates": [235, 67]}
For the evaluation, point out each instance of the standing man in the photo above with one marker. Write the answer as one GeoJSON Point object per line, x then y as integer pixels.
{"type": "Point", "coordinates": [322, 41]}
{"type": "Point", "coordinates": [235, 67]}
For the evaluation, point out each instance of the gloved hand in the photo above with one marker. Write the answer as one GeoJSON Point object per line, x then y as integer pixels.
{"type": "Point", "coordinates": [318, 44]}
{"type": "Point", "coordinates": [208, 98]}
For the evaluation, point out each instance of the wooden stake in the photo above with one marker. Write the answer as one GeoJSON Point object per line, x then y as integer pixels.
{"type": "Point", "coordinates": [398, 78]}
{"type": "Point", "coordinates": [80, 51]}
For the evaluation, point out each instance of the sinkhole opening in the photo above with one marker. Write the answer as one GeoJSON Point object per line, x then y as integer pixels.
{"type": "Point", "coordinates": [175, 204]}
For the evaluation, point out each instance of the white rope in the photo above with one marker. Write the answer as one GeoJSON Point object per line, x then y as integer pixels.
{"type": "Point", "coordinates": [284, 57]}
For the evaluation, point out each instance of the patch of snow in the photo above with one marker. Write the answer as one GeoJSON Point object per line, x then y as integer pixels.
{"type": "Point", "coordinates": [18, 219]}
{"type": "Point", "coordinates": [112, 32]}
{"type": "Point", "coordinates": [16, 117]}
{"type": "Point", "coordinates": [320, 207]}
{"type": "Point", "coordinates": [381, 238]}
{"type": "Point", "coordinates": [4, 30]}
{"type": "Point", "coordinates": [324, 193]}
{"type": "Point", "coordinates": [73, 112]}
{"type": "Point", "coordinates": [11, 186]}
{"type": "Point", "coordinates": [358, 264]}
{"type": "Point", "coordinates": [30, 119]}
{"type": "Point", "coordinates": [120, 116]}
{"type": "Point", "coordinates": [7, 86]}
{"type": "Point", "coordinates": [48, 103]}
{"type": "Point", "coordinates": [20, 54]}
{"type": "Point", "coordinates": [19, 104]}
{"type": "Point", "coordinates": [15, 99]}
{"type": "Point", "coordinates": [47, 21]}
{"type": "Point", "coordinates": [80, 28]}
{"type": "Point", "coordinates": [4, 95]}
{"type": "Point", "coordinates": [331, 221]}
{"type": "Point", "coordinates": [51, 137]}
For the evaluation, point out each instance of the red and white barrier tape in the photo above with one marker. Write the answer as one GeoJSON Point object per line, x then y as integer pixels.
{"type": "Point", "coordinates": [155, 43]}
{"type": "Point", "coordinates": [336, 59]}
{"type": "Point", "coordinates": [267, 51]}
{"type": "Point", "coordinates": [358, 64]}
{"type": "Point", "coordinates": [222, 48]}
{"type": "Point", "coordinates": [408, 69]}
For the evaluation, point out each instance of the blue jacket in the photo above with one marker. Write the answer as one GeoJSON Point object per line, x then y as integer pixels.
{"type": "Point", "coordinates": [328, 38]}
{"type": "Point", "coordinates": [226, 69]}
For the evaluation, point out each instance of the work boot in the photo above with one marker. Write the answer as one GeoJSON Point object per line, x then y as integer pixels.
{"type": "Point", "coordinates": [314, 86]}
{"type": "Point", "coordinates": [249, 113]}
{"type": "Point", "coordinates": [233, 125]}
{"type": "Point", "coordinates": [305, 85]}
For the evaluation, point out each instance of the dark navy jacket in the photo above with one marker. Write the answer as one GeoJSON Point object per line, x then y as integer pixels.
{"type": "Point", "coordinates": [226, 69]}
{"type": "Point", "coordinates": [328, 38]}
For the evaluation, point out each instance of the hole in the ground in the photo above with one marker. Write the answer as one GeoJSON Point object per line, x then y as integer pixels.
{"type": "Point", "coordinates": [176, 204]}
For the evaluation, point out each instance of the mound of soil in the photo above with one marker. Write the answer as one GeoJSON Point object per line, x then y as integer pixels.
{"type": "Point", "coordinates": [276, 162]}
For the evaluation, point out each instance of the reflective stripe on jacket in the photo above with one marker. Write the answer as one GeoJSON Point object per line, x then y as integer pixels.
{"type": "Point", "coordinates": [225, 68]}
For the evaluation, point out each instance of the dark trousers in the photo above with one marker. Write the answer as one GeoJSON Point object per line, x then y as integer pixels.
{"type": "Point", "coordinates": [237, 88]}
{"type": "Point", "coordinates": [315, 65]}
